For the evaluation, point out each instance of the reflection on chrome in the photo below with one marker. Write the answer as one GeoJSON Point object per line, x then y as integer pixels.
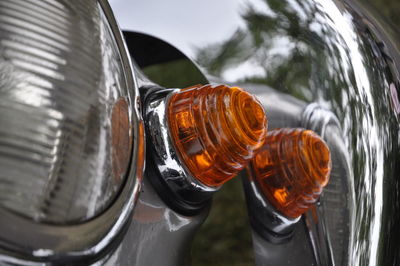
{"type": "Point", "coordinates": [334, 59]}
{"type": "Point", "coordinates": [173, 181]}
{"type": "Point", "coordinates": [330, 224]}
{"type": "Point", "coordinates": [338, 54]}
{"type": "Point", "coordinates": [175, 222]}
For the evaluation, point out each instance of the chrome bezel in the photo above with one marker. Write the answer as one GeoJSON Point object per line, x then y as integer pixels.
{"type": "Point", "coordinates": [173, 173]}
{"type": "Point", "coordinates": [32, 241]}
{"type": "Point", "coordinates": [267, 221]}
{"type": "Point", "coordinates": [322, 121]}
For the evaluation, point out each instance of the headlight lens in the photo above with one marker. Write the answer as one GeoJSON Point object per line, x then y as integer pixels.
{"type": "Point", "coordinates": [65, 115]}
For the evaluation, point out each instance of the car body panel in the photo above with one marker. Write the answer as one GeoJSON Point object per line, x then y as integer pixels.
{"type": "Point", "coordinates": [327, 52]}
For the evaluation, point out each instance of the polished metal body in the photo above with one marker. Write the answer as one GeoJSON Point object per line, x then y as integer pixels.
{"type": "Point", "coordinates": [331, 66]}
{"type": "Point", "coordinates": [156, 234]}
{"type": "Point", "coordinates": [265, 219]}
{"type": "Point", "coordinates": [338, 54]}
{"type": "Point", "coordinates": [327, 226]}
{"type": "Point", "coordinates": [330, 226]}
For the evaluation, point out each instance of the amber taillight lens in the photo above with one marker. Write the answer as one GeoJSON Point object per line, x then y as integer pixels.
{"type": "Point", "coordinates": [216, 130]}
{"type": "Point", "coordinates": [291, 169]}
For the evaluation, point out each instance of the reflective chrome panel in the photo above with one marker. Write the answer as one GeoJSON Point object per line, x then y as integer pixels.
{"type": "Point", "coordinates": [265, 219]}
{"type": "Point", "coordinates": [157, 235]}
{"type": "Point", "coordinates": [322, 51]}
{"type": "Point", "coordinates": [329, 224]}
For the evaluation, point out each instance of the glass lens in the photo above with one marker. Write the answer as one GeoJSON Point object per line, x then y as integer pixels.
{"type": "Point", "coordinates": [65, 134]}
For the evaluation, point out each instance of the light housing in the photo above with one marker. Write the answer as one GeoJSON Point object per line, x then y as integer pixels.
{"type": "Point", "coordinates": [65, 111]}
{"type": "Point", "coordinates": [216, 130]}
{"type": "Point", "coordinates": [291, 169]}
{"type": "Point", "coordinates": [197, 139]}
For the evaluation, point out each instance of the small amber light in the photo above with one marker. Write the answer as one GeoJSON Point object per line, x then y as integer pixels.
{"type": "Point", "coordinates": [291, 169]}
{"type": "Point", "coordinates": [120, 139]}
{"type": "Point", "coordinates": [216, 130]}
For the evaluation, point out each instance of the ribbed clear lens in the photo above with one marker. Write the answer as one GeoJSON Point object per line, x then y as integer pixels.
{"type": "Point", "coordinates": [65, 132]}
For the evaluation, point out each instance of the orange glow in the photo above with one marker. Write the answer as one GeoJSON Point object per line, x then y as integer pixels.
{"type": "Point", "coordinates": [291, 169]}
{"type": "Point", "coordinates": [216, 130]}
{"type": "Point", "coordinates": [121, 140]}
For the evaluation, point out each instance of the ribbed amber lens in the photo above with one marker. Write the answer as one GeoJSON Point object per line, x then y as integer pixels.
{"type": "Point", "coordinates": [292, 168]}
{"type": "Point", "coordinates": [216, 130]}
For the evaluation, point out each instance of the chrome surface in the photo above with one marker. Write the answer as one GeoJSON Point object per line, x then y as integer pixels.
{"type": "Point", "coordinates": [21, 237]}
{"type": "Point", "coordinates": [172, 171]}
{"type": "Point", "coordinates": [295, 252]}
{"type": "Point", "coordinates": [265, 219]}
{"type": "Point", "coordinates": [157, 235]}
{"type": "Point", "coordinates": [325, 51]}
{"type": "Point", "coordinates": [329, 224]}
{"type": "Point", "coordinates": [283, 110]}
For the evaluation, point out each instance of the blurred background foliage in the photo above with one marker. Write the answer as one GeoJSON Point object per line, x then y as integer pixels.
{"type": "Point", "coordinates": [224, 238]}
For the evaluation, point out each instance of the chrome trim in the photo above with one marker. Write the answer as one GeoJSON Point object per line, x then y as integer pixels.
{"type": "Point", "coordinates": [316, 118]}
{"type": "Point", "coordinates": [157, 235]}
{"type": "Point", "coordinates": [28, 240]}
{"type": "Point", "coordinates": [327, 125]}
{"type": "Point", "coordinates": [264, 218]}
{"type": "Point", "coordinates": [184, 187]}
